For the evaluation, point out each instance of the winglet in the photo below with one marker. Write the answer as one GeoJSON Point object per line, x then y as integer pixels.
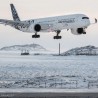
{"type": "Point", "coordinates": [14, 13]}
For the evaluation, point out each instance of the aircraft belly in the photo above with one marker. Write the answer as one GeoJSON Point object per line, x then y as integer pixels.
{"type": "Point", "coordinates": [61, 26]}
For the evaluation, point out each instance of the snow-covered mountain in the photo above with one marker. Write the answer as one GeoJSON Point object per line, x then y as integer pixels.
{"type": "Point", "coordinates": [29, 47]}
{"type": "Point", "coordinates": [87, 50]}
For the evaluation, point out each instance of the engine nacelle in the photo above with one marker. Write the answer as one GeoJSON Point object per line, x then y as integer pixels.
{"type": "Point", "coordinates": [77, 31]}
{"type": "Point", "coordinates": [37, 27]}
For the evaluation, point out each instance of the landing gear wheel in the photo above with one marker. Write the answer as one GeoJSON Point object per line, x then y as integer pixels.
{"type": "Point", "coordinates": [35, 36]}
{"type": "Point", "coordinates": [84, 32]}
{"type": "Point", "coordinates": [57, 37]}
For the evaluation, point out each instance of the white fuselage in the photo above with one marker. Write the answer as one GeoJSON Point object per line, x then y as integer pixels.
{"type": "Point", "coordinates": [52, 24]}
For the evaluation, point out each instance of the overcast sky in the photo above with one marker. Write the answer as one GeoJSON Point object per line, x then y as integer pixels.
{"type": "Point", "coordinates": [30, 9]}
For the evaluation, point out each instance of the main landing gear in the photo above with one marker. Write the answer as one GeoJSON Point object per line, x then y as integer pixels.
{"type": "Point", "coordinates": [84, 32]}
{"type": "Point", "coordinates": [35, 36]}
{"type": "Point", "coordinates": [57, 36]}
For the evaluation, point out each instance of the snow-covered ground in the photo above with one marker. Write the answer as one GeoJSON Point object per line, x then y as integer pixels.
{"type": "Point", "coordinates": [47, 71]}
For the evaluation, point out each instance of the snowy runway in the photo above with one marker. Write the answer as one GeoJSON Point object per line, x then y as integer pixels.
{"type": "Point", "coordinates": [48, 93]}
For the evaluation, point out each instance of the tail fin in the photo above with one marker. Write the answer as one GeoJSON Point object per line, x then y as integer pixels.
{"type": "Point", "coordinates": [14, 13]}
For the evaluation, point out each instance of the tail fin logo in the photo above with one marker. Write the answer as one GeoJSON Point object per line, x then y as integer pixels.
{"type": "Point", "coordinates": [14, 13]}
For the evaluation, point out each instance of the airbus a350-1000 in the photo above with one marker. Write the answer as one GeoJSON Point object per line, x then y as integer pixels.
{"type": "Point", "coordinates": [77, 23]}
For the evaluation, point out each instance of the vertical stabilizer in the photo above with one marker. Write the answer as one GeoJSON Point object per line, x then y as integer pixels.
{"type": "Point", "coordinates": [14, 13]}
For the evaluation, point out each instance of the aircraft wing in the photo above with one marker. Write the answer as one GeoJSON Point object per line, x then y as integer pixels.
{"type": "Point", "coordinates": [13, 23]}
{"type": "Point", "coordinates": [46, 27]}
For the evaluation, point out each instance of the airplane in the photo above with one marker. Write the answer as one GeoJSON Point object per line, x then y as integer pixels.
{"type": "Point", "coordinates": [77, 23]}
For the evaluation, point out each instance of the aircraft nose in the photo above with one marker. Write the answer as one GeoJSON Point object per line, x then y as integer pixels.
{"type": "Point", "coordinates": [95, 20]}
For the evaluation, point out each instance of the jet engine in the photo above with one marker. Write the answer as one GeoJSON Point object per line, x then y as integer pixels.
{"type": "Point", "coordinates": [78, 31]}
{"type": "Point", "coordinates": [37, 27]}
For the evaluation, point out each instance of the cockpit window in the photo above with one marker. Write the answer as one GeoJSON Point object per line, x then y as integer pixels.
{"type": "Point", "coordinates": [85, 17]}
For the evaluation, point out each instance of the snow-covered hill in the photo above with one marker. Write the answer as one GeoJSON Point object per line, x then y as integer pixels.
{"type": "Point", "coordinates": [29, 47]}
{"type": "Point", "coordinates": [87, 50]}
